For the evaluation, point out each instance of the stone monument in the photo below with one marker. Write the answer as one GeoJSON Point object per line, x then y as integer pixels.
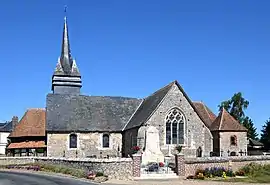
{"type": "Point", "coordinates": [152, 152]}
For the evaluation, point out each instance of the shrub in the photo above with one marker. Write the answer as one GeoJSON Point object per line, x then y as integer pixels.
{"type": "Point", "coordinates": [200, 176]}
{"type": "Point", "coordinates": [240, 173]}
{"type": "Point", "coordinates": [178, 148]}
{"type": "Point", "coordinates": [99, 174]}
{"type": "Point", "coordinates": [199, 171]}
{"type": "Point", "coordinates": [215, 172]}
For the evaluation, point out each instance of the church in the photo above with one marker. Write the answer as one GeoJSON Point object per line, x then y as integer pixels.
{"type": "Point", "coordinates": [104, 126]}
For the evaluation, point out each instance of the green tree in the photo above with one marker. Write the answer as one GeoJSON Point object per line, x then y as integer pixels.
{"type": "Point", "coordinates": [236, 107]}
{"type": "Point", "coordinates": [252, 131]}
{"type": "Point", "coordinates": [265, 135]}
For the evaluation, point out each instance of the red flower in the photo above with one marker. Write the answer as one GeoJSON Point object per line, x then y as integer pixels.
{"type": "Point", "coordinates": [161, 164]}
{"type": "Point", "coordinates": [136, 148]}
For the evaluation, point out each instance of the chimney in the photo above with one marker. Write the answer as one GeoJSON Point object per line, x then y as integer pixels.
{"type": "Point", "coordinates": [15, 121]}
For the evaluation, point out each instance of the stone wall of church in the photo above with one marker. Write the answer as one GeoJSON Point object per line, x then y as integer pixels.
{"type": "Point", "coordinates": [225, 142]}
{"type": "Point", "coordinates": [194, 127]}
{"type": "Point", "coordinates": [129, 140]}
{"type": "Point", "coordinates": [88, 145]}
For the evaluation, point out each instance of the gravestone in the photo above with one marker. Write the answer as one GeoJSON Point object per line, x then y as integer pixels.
{"type": "Point", "coordinates": [152, 152]}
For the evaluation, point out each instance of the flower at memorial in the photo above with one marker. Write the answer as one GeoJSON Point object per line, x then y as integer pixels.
{"type": "Point", "coordinates": [136, 148]}
{"type": "Point", "coordinates": [161, 164]}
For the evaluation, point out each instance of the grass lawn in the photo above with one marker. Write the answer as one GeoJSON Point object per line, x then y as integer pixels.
{"type": "Point", "coordinates": [250, 173]}
{"type": "Point", "coordinates": [262, 177]}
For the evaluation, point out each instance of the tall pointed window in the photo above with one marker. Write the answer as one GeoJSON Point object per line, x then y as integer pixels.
{"type": "Point", "coordinates": [72, 141]}
{"type": "Point", "coordinates": [175, 127]}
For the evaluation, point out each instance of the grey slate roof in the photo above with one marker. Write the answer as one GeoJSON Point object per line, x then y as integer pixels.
{"type": "Point", "coordinates": [67, 112]}
{"type": "Point", "coordinates": [148, 105]}
{"type": "Point", "coordinates": [66, 65]}
{"type": "Point", "coordinates": [253, 142]}
{"type": "Point", "coordinates": [6, 127]}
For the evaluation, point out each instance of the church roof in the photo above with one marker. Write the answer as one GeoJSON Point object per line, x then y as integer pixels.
{"type": "Point", "coordinates": [225, 122]}
{"type": "Point", "coordinates": [67, 112]}
{"type": "Point", "coordinates": [149, 105]}
{"type": "Point", "coordinates": [31, 124]}
{"type": "Point", "coordinates": [206, 114]}
{"type": "Point", "coordinates": [146, 108]}
{"type": "Point", "coordinates": [253, 142]}
{"type": "Point", "coordinates": [6, 127]}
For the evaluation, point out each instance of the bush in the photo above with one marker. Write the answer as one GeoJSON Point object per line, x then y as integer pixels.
{"type": "Point", "coordinates": [215, 172]}
{"type": "Point", "coordinates": [200, 176]}
{"type": "Point", "coordinates": [99, 174]}
{"type": "Point", "coordinates": [253, 170]}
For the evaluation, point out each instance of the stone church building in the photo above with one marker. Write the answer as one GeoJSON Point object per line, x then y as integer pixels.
{"type": "Point", "coordinates": [103, 126]}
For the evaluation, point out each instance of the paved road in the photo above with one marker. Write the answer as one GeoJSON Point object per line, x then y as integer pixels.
{"type": "Point", "coordinates": [21, 178]}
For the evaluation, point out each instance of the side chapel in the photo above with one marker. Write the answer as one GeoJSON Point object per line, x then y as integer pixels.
{"type": "Point", "coordinates": [104, 126]}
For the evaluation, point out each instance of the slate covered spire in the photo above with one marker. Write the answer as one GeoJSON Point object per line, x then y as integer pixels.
{"type": "Point", "coordinates": [66, 78]}
{"type": "Point", "coordinates": [66, 58]}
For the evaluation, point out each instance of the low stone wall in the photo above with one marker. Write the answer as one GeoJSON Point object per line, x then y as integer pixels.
{"type": "Point", "coordinates": [115, 168]}
{"type": "Point", "coordinates": [15, 160]}
{"type": "Point", "coordinates": [191, 165]}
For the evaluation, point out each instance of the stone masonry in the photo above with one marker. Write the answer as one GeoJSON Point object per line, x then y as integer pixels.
{"type": "Point", "coordinates": [226, 146]}
{"type": "Point", "coordinates": [192, 165]}
{"type": "Point", "coordinates": [201, 134]}
{"type": "Point", "coordinates": [180, 165]}
{"type": "Point", "coordinates": [89, 145]}
{"type": "Point", "coordinates": [117, 168]}
{"type": "Point", "coordinates": [137, 158]}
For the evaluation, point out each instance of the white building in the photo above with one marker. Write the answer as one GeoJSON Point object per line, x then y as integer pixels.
{"type": "Point", "coordinates": [5, 129]}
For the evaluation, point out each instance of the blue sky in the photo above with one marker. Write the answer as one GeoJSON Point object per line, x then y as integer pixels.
{"type": "Point", "coordinates": [132, 48]}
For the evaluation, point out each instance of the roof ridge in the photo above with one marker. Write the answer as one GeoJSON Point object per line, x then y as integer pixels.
{"type": "Point", "coordinates": [35, 109]}
{"type": "Point", "coordinates": [162, 88]}
{"type": "Point", "coordinates": [201, 102]}
{"type": "Point", "coordinates": [5, 124]}
{"type": "Point", "coordinates": [204, 106]}
{"type": "Point", "coordinates": [221, 119]}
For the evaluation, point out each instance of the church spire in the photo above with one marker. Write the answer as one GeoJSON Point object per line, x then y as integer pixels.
{"type": "Point", "coordinates": [66, 77]}
{"type": "Point", "coordinates": [66, 58]}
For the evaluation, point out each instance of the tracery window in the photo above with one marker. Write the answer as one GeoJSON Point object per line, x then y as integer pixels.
{"type": "Point", "coordinates": [175, 127]}
{"type": "Point", "coordinates": [105, 141]}
{"type": "Point", "coordinates": [72, 141]}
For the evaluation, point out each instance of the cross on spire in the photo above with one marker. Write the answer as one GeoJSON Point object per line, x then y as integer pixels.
{"type": "Point", "coordinates": [65, 9]}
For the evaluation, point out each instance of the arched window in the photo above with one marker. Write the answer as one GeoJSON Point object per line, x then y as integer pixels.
{"type": "Point", "coordinates": [175, 127]}
{"type": "Point", "coordinates": [105, 141]}
{"type": "Point", "coordinates": [199, 152]}
{"type": "Point", "coordinates": [233, 140]}
{"type": "Point", "coordinates": [72, 141]}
